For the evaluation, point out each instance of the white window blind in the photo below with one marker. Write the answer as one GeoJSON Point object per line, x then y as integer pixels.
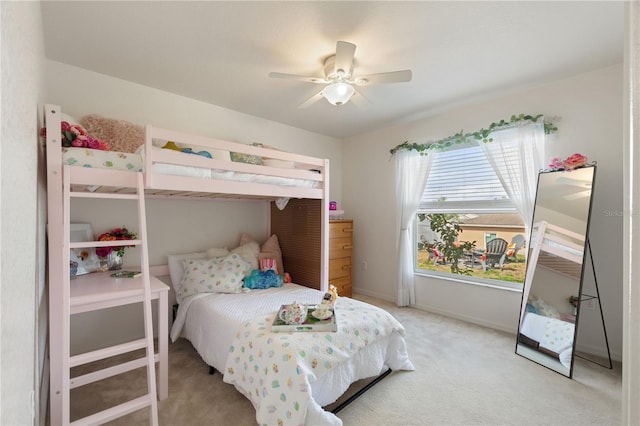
{"type": "Point", "coordinates": [462, 180]}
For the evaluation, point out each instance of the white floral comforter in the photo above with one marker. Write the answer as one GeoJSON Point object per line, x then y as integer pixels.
{"type": "Point", "coordinates": [275, 370]}
{"type": "Point", "coordinates": [289, 377]}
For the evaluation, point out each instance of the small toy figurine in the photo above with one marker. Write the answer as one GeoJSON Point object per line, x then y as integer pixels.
{"type": "Point", "coordinates": [287, 278]}
{"type": "Point", "coordinates": [334, 293]}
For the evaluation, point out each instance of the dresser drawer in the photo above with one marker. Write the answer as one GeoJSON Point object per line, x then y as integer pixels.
{"type": "Point", "coordinates": [340, 229]}
{"type": "Point", "coordinates": [340, 267]}
{"type": "Point", "coordinates": [343, 285]}
{"type": "Point", "coordinates": [340, 247]}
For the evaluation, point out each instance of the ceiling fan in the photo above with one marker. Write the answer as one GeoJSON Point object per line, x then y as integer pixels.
{"type": "Point", "coordinates": [339, 78]}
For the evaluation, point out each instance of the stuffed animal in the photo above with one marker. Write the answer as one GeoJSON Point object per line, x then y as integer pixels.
{"type": "Point", "coordinates": [201, 153]}
{"type": "Point", "coordinates": [262, 279]}
{"type": "Point", "coordinates": [171, 145]}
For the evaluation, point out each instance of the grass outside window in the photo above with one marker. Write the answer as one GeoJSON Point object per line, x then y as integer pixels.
{"type": "Point", "coordinates": [512, 271]}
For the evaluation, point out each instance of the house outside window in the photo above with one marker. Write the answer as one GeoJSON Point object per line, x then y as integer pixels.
{"type": "Point", "coordinates": [463, 186]}
{"type": "Point", "coordinates": [488, 236]}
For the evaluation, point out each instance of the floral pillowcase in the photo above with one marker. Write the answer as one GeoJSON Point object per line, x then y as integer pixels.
{"type": "Point", "coordinates": [217, 275]}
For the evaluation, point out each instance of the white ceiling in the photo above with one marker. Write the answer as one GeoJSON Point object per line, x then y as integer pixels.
{"type": "Point", "coordinates": [221, 52]}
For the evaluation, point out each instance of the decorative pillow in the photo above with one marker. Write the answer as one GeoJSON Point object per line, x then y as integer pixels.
{"type": "Point", "coordinates": [176, 270]}
{"type": "Point", "coordinates": [269, 250]}
{"type": "Point", "coordinates": [239, 157]}
{"type": "Point", "coordinates": [121, 135]}
{"type": "Point", "coordinates": [249, 252]}
{"type": "Point", "coordinates": [217, 275]}
{"type": "Point", "coordinates": [543, 308]}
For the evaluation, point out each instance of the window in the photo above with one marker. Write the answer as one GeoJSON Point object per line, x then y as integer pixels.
{"type": "Point", "coordinates": [463, 188]}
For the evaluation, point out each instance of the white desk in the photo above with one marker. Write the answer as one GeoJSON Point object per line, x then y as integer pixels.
{"type": "Point", "coordinates": [99, 290]}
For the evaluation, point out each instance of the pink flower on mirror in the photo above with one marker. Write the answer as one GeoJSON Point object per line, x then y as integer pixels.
{"type": "Point", "coordinates": [556, 164]}
{"type": "Point", "coordinates": [575, 161]}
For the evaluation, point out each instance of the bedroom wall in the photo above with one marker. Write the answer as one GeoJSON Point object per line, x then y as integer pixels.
{"type": "Point", "coordinates": [590, 108]}
{"type": "Point", "coordinates": [23, 298]}
{"type": "Point", "coordinates": [174, 226]}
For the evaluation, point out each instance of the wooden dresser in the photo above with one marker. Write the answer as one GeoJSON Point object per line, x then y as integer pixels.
{"type": "Point", "coordinates": [298, 230]}
{"type": "Point", "coordinates": [341, 255]}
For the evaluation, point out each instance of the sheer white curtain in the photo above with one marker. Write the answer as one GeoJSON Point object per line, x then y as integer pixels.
{"type": "Point", "coordinates": [517, 155]}
{"type": "Point", "coordinates": [412, 170]}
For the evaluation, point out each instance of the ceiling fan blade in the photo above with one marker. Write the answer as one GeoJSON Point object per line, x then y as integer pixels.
{"type": "Point", "coordinates": [385, 77]}
{"type": "Point", "coordinates": [344, 58]}
{"type": "Point", "coordinates": [360, 100]}
{"type": "Point", "coordinates": [298, 77]}
{"type": "Point", "coordinates": [312, 100]}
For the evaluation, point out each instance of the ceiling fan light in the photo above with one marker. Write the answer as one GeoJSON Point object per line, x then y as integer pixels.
{"type": "Point", "coordinates": [338, 93]}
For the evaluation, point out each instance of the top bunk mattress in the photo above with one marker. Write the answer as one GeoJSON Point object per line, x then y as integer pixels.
{"type": "Point", "coordinates": [113, 160]}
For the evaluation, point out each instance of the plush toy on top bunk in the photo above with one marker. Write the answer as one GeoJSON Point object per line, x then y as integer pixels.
{"type": "Point", "coordinates": [74, 135]}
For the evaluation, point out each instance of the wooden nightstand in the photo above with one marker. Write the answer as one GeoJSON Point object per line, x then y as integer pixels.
{"type": "Point", "coordinates": [341, 255]}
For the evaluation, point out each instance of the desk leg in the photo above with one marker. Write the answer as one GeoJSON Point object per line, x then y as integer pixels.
{"type": "Point", "coordinates": [163, 345]}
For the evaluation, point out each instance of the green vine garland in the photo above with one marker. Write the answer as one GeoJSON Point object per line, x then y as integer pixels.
{"type": "Point", "coordinates": [480, 135]}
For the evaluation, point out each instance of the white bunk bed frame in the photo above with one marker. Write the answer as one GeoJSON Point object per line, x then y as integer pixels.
{"type": "Point", "coordinates": [557, 249]}
{"type": "Point", "coordinates": [554, 248]}
{"type": "Point", "coordinates": [103, 183]}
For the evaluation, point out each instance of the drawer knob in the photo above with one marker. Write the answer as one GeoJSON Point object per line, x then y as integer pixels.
{"type": "Point", "coordinates": [347, 229]}
{"type": "Point", "coordinates": [347, 247]}
{"type": "Point", "coordinates": [346, 267]}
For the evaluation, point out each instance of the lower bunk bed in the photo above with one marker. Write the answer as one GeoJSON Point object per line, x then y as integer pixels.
{"type": "Point", "coordinates": [290, 376]}
{"type": "Point", "coordinates": [551, 337]}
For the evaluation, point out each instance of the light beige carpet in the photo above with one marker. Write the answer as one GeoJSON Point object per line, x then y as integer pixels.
{"type": "Point", "coordinates": [465, 375]}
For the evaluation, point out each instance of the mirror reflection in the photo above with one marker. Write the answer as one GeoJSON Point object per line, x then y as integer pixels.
{"type": "Point", "coordinates": [549, 312]}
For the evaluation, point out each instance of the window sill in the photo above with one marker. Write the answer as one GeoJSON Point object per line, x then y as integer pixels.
{"type": "Point", "coordinates": [500, 285]}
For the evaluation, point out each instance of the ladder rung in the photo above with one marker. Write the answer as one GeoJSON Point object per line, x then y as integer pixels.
{"type": "Point", "coordinates": [114, 243]}
{"type": "Point", "coordinates": [117, 196]}
{"type": "Point", "coordinates": [105, 373]}
{"type": "Point", "coordinates": [115, 412]}
{"type": "Point", "coordinates": [99, 354]}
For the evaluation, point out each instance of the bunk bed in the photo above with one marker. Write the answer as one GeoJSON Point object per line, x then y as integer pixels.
{"type": "Point", "coordinates": [541, 328]}
{"type": "Point", "coordinates": [167, 173]}
{"type": "Point", "coordinates": [558, 249]}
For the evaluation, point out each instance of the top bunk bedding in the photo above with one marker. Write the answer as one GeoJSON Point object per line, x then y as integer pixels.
{"type": "Point", "coordinates": [180, 164]}
{"type": "Point", "coordinates": [560, 249]}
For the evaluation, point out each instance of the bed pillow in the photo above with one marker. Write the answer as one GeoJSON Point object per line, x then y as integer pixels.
{"type": "Point", "coordinates": [176, 270]}
{"type": "Point", "coordinates": [269, 250]}
{"type": "Point", "coordinates": [217, 275]}
{"type": "Point", "coordinates": [543, 308]}
{"type": "Point", "coordinates": [121, 135]}
{"type": "Point", "coordinates": [249, 251]}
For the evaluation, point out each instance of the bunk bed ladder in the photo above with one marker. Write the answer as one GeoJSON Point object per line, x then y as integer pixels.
{"type": "Point", "coordinates": [150, 398]}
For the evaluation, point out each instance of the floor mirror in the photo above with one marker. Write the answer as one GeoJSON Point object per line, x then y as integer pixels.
{"type": "Point", "coordinates": [550, 309]}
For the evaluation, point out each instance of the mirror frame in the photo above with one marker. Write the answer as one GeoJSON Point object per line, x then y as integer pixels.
{"type": "Point", "coordinates": [531, 270]}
